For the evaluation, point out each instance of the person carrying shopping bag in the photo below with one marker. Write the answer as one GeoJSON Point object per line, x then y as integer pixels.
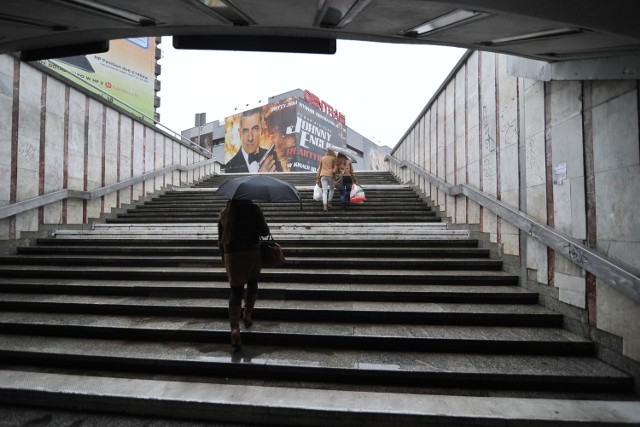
{"type": "Point", "coordinates": [345, 167]}
{"type": "Point", "coordinates": [325, 177]}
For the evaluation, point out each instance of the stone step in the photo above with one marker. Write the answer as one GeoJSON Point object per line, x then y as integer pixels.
{"type": "Point", "coordinates": [340, 334]}
{"type": "Point", "coordinates": [218, 402]}
{"type": "Point", "coordinates": [324, 275]}
{"type": "Point", "coordinates": [326, 251]}
{"type": "Point", "coordinates": [281, 231]}
{"type": "Point", "coordinates": [175, 242]}
{"type": "Point", "coordinates": [320, 217]}
{"type": "Point", "coordinates": [463, 291]}
{"type": "Point", "coordinates": [205, 206]}
{"type": "Point", "coordinates": [345, 262]}
{"type": "Point", "coordinates": [405, 312]}
{"type": "Point", "coordinates": [353, 369]}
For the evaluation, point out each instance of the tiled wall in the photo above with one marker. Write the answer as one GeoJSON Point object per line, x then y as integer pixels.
{"type": "Point", "coordinates": [512, 138]}
{"type": "Point", "coordinates": [53, 137]}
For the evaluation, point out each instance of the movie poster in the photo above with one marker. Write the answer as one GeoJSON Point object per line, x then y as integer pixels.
{"type": "Point", "coordinates": [297, 132]}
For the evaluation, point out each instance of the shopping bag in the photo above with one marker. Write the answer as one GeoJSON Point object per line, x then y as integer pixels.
{"type": "Point", "coordinates": [317, 193]}
{"type": "Point", "coordinates": [357, 194]}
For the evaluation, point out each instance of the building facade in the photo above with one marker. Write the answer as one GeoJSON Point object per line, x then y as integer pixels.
{"type": "Point", "coordinates": [299, 126]}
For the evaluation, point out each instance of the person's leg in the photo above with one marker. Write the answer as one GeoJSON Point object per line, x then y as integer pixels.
{"type": "Point", "coordinates": [235, 312]}
{"type": "Point", "coordinates": [332, 187]}
{"type": "Point", "coordinates": [250, 302]}
{"type": "Point", "coordinates": [325, 191]}
{"type": "Point", "coordinates": [345, 191]}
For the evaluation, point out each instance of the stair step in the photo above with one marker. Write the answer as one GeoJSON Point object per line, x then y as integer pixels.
{"type": "Point", "coordinates": [407, 369]}
{"type": "Point", "coordinates": [291, 262]}
{"type": "Point", "coordinates": [342, 335]}
{"type": "Point", "coordinates": [267, 275]}
{"type": "Point", "coordinates": [326, 251]}
{"type": "Point", "coordinates": [252, 404]}
{"type": "Point", "coordinates": [295, 291]}
{"type": "Point", "coordinates": [317, 311]}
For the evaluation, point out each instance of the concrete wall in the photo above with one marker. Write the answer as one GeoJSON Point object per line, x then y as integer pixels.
{"type": "Point", "coordinates": [54, 136]}
{"type": "Point", "coordinates": [516, 139]}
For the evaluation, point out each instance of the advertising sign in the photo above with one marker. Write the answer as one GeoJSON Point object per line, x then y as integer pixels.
{"type": "Point", "coordinates": [296, 133]}
{"type": "Point", "coordinates": [125, 75]}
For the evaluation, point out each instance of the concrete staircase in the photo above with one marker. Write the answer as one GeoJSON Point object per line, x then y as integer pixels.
{"type": "Point", "coordinates": [382, 314]}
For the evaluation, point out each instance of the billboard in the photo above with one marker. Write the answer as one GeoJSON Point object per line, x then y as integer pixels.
{"type": "Point", "coordinates": [284, 136]}
{"type": "Point", "coordinates": [204, 140]}
{"type": "Point", "coordinates": [125, 75]}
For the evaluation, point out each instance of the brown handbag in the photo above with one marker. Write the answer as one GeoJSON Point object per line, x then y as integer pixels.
{"type": "Point", "coordinates": [271, 253]}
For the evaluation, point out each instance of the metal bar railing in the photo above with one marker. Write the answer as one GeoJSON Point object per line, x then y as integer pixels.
{"type": "Point", "coordinates": [56, 196]}
{"type": "Point", "coordinates": [603, 268]}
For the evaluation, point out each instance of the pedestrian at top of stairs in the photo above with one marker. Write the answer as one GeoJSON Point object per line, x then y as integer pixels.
{"type": "Point", "coordinates": [325, 177]}
{"type": "Point", "coordinates": [240, 225]}
{"type": "Point", "coordinates": [344, 166]}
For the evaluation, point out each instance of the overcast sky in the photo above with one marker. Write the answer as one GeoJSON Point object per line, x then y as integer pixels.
{"type": "Point", "coordinates": [381, 88]}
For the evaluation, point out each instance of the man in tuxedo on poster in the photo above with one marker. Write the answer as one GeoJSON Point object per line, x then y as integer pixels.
{"type": "Point", "coordinates": [251, 157]}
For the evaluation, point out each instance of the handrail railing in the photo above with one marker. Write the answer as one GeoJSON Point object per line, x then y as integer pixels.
{"type": "Point", "coordinates": [605, 269]}
{"type": "Point", "coordinates": [56, 196]}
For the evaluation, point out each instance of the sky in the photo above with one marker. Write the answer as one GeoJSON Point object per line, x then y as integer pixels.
{"type": "Point", "coordinates": [381, 88]}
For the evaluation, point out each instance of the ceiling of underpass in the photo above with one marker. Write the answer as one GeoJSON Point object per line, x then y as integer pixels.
{"type": "Point", "coordinates": [547, 30]}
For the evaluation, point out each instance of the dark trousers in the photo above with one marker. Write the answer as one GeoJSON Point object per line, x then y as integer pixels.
{"type": "Point", "coordinates": [345, 190]}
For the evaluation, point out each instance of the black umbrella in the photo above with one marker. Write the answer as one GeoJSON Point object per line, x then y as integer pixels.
{"type": "Point", "coordinates": [259, 187]}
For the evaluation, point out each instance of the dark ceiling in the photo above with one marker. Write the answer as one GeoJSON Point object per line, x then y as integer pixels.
{"type": "Point", "coordinates": [548, 30]}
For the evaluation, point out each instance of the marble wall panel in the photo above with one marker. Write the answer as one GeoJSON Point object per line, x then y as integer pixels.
{"type": "Point", "coordinates": [53, 213]}
{"type": "Point", "coordinates": [535, 161]}
{"type": "Point", "coordinates": [110, 201]}
{"type": "Point", "coordinates": [615, 133]}
{"type": "Point", "coordinates": [56, 98]}
{"type": "Point", "coordinates": [537, 259]}
{"type": "Point", "coordinates": [27, 221]}
{"type": "Point", "coordinates": [75, 211]}
{"type": "Point", "coordinates": [621, 316]}
{"type": "Point", "coordinates": [159, 159]}
{"type": "Point", "coordinates": [606, 90]}
{"type": "Point", "coordinates": [569, 193]}
{"type": "Point", "coordinates": [30, 101]}
{"type": "Point", "coordinates": [617, 206]}
{"type": "Point", "coordinates": [125, 147]}
{"type": "Point", "coordinates": [27, 187]}
{"type": "Point", "coordinates": [111, 149]}
{"type": "Point", "coordinates": [149, 149]}
{"type": "Point", "coordinates": [566, 101]}
{"type": "Point", "coordinates": [571, 289]}
{"type": "Point", "coordinates": [6, 106]}
{"type": "Point", "coordinates": [94, 208]}
{"type": "Point", "coordinates": [509, 171]}
{"type": "Point", "coordinates": [5, 190]}
{"type": "Point", "coordinates": [510, 239]}
{"type": "Point", "coordinates": [6, 65]}
{"type": "Point", "coordinates": [95, 134]}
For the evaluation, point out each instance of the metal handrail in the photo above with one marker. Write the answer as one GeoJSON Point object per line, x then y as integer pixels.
{"type": "Point", "coordinates": [56, 196]}
{"type": "Point", "coordinates": [602, 267]}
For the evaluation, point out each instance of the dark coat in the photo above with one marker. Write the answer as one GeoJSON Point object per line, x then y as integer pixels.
{"type": "Point", "coordinates": [245, 227]}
